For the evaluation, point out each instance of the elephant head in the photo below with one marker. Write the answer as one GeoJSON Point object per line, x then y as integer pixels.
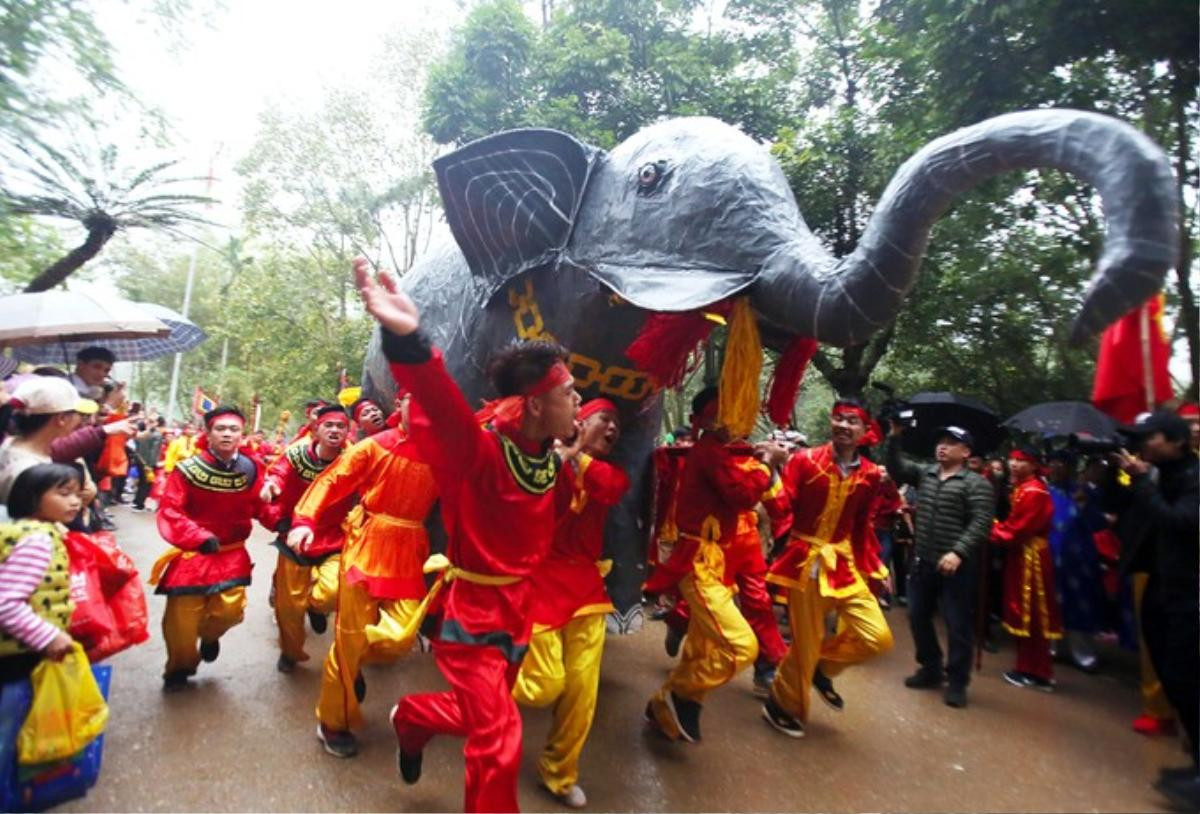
{"type": "Point", "coordinates": [691, 211]}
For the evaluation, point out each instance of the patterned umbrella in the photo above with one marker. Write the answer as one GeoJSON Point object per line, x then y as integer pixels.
{"type": "Point", "coordinates": [48, 317]}
{"type": "Point", "coordinates": [184, 335]}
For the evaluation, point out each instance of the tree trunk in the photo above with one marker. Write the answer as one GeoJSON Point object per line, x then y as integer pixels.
{"type": "Point", "coordinates": [64, 268]}
{"type": "Point", "coordinates": [1189, 315]}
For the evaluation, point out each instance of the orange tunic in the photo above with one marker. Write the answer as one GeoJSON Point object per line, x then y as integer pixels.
{"type": "Point", "coordinates": [386, 543]}
{"type": "Point", "coordinates": [570, 581]}
{"type": "Point", "coordinates": [831, 528]}
{"type": "Point", "coordinates": [1029, 566]}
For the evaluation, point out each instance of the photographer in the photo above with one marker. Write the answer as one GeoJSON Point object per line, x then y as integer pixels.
{"type": "Point", "coordinates": [1158, 528]}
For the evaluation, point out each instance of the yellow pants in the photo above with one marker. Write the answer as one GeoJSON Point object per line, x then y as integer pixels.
{"type": "Point", "coordinates": [1154, 700]}
{"type": "Point", "coordinates": [337, 707]}
{"type": "Point", "coordinates": [862, 632]}
{"type": "Point", "coordinates": [192, 618]}
{"type": "Point", "coordinates": [720, 643]}
{"type": "Point", "coordinates": [562, 667]}
{"type": "Point", "coordinates": [299, 588]}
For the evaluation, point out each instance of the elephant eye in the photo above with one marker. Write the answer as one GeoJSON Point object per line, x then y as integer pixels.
{"type": "Point", "coordinates": [650, 175]}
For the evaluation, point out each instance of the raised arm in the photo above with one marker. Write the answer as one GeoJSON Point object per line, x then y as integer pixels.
{"type": "Point", "coordinates": [416, 365]}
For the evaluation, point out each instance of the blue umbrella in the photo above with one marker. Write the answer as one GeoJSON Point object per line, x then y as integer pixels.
{"type": "Point", "coordinates": [184, 336]}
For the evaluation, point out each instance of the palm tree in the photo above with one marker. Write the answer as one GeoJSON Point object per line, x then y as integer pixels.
{"type": "Point", "coordinates": [97, 193]}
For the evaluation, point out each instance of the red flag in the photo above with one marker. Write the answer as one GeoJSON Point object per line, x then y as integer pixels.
{"type": "Point", "coordinates": [201, 403]}
{"type": "Point", "coordinates": [1131, 370]}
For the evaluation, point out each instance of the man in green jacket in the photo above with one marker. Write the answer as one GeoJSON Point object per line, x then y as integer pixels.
{"type": "Point", "coordinates": [953, 517]}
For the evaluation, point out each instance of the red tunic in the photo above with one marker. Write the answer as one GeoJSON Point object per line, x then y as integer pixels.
{"type": "Point", "coordinates": [668, 467]}
{"type": "Point", "coordinates": [831, 527]}
{"type": "Point", "coordinates": [202, 499]}
{"type": "Point", "coordinates": [500, 500]}
{"type": "Point", "coordinates": [294, 472]}
{"type": "Point", "coordinates": [720, 483]}
{"type": "Point", "coordinates": [1029, 594]}
{"type": "Point", "coordinates": [570, 581]}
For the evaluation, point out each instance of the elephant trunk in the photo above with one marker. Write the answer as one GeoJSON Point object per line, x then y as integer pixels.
{"type": "Point", "coordinates": [841, 302]}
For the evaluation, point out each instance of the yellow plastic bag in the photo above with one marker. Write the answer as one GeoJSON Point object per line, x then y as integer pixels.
{"type": "Point", "coordinates": [68, 710]}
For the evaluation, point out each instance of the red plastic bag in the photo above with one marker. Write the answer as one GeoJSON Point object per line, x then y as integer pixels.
{"type": "Point", "coordinates": [110, 604]}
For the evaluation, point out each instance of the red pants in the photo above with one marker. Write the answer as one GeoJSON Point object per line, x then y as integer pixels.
{"type": "Point", "coordinates": [1033, 655]}
{"type": "Point", "coordinates": [479, 707]}
{"type": "Point", "coordinates": [757, 608]}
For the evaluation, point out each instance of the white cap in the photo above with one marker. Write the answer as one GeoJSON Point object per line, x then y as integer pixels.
{"type": "Point", "coordinates": [46, 395]}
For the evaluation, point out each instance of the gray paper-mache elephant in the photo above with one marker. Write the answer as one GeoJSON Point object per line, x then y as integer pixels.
{"type": "Point", "coordinates": [555, 238]}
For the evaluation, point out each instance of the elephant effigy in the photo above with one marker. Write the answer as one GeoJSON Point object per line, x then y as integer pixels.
{"type": "Point", "coordinates": [553, 238]}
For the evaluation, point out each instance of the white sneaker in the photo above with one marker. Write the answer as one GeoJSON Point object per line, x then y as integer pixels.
{"type": "Point", "coordinates": [572, 797]}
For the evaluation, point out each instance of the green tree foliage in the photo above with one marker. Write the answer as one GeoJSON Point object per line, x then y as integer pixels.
{"type": "Point", "coordinates": [602, 69]}
{"type": "Point", "coordinates": [96, 190]}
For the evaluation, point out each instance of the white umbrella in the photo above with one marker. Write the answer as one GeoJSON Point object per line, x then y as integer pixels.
{"type": "Point", "coordinates": [184, 335]}
{"type": "Point", "coordinates": [49, 316]}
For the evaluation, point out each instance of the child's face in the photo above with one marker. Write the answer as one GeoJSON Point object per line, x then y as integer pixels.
{"type": "Point", "coordinates": [61, 503]}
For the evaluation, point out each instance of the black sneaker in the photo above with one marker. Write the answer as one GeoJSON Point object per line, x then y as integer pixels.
{"type": "Point", "coordinates": [1018, 679]}
{"type": "Point", "coordinates": [318, 622]}
{"type": "Point", "coordinates": [338, 744]}
{"type": "Point", "coordinates": [687, 716]}
{"type": "Point", "coordinates": [774, 714]}
{"type": "Point", "coordinates": [176, 681]}
{"type": "Point", "coordinates": [955, 697]}
{"type": "Point", "coordinates": [824, 687]}
{"type": "Point", "coordinates": [673, 641]}
{"type": "Point", "coordinates": [360, 688]}
{"type": "Point", "coordinates": [409, 765]}
{"type": "Point", "coordinates": [210, 650]}
{"type": "Point", "coordinates": [284, 664]}
{"type": "Point", "coordinates": [923, 679]}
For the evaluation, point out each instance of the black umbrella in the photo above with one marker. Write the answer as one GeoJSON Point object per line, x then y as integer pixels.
{"type": "Point", "coordinates": [931, 411]}
{"type": "Point", "coordinates": [1060, 419]}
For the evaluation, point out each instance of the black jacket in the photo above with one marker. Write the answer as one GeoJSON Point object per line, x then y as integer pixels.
{"type": "Point", "coordinates": [1159, 526]}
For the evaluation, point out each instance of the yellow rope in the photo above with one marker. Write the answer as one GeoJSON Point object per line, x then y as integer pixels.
{"type": "Point", "coordinates": [739, 396]}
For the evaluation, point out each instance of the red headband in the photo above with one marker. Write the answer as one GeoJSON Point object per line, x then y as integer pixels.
{"type": "Point", "coordinates": [362, 405]}
{"type": "Point", "coordinates": [1022, 455]}
{"type": "Point", "coordinates": [1189, 410]}
{"type": "Point", "coordinates": [596, 406]}
{"type": "Point", "coordinates": [229, 416]}
{"type": "Point", "coordinates": [852, 409]}
{"type": "Point", "coordinates": [558, 375]}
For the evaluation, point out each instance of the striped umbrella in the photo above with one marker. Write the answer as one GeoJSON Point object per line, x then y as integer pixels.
{"type": "Point", "coordinates": [184, 335]}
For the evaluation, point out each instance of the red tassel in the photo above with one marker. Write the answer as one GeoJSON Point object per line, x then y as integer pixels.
{"type": "Point", "coordinates": [664, 346]}
{"type": "Point", "coordinates": [785, 381]}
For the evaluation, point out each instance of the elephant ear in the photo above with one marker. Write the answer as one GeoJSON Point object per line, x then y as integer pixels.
{"type": "Point", "coordinates": [511, 199]}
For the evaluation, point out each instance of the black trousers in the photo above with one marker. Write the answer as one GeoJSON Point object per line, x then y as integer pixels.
{"type": "Point", "coordinates": [143, 488]}
{"type": "Point", "coordinates": [927, 589]}
{"type": "Point", "coordinates": [1171, 631]}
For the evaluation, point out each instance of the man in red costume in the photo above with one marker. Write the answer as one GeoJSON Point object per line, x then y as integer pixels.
{"type": "Point", "coordinates": [722, 480]}
{"type": "Point", "coordinates": [306, 577]}
{"type": "Point", "coordinates": [368, 417]}
{"type": "Point", "coordinates": [500, 496]}
{"type": "Point", "coordinates": [1031, 612]}
{"type": "Point", "coordinates": [831, 553]}
{"type": "Point", "coordinates": [381, 580]}
{"type": "Point", "coordinates": [206, 511]}
{"type": "Point", "coordinates": [562, 665]}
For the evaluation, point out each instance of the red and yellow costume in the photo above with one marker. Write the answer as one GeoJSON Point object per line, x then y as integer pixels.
{"type": "Point", "coordinates": [668, 467]}
{"type": "Point", "coordinates": [562, 665]}
{"type": "Point", "coordinates": [500, 497]}
{"type": "Point", "coordinates": [180, 448]}
{"type": "Point", "coordinates": [306, 580]}
{"type": "Point", "coordinates": [206, 593]}
{"type": "Point", "coordinates": [830, 552]}
{"type": "Point", "coordinates": [1030, 610]}
{"type": "Point", "coordinates": [385, 549]}
{"type": "Point", "coordinates": [720, 483]}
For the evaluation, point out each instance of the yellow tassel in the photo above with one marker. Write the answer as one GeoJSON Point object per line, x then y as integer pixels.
{"type": "Point", "coordinates": [738, 406]}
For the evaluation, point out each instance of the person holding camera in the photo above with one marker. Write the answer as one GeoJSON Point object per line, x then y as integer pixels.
{"type": "Point", "coordinates": [952, 520]}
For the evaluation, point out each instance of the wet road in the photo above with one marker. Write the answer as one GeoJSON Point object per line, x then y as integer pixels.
{"type": "Point", "coordinates": [242, 738]}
